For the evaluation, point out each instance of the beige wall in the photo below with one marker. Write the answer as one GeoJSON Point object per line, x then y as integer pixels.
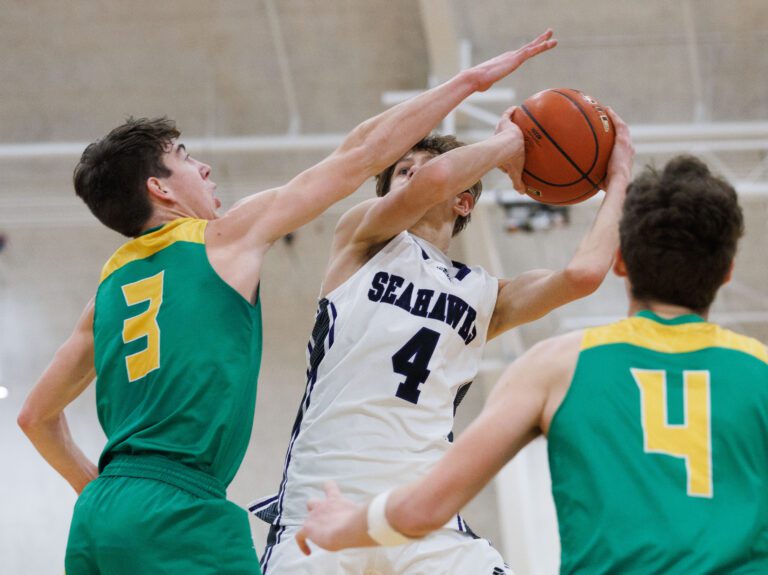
{"type": "Point", "coordinates": [72, 70]}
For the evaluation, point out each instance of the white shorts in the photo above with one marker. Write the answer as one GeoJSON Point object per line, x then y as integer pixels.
{"type": "Point", "coordinates": [443, 552]}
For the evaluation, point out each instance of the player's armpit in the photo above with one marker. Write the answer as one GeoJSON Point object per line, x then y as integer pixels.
{"type": "Point", "coordinates": [347, 255]}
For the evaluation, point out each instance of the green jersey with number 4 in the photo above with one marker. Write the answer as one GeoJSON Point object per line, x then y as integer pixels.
{"type": "Point", "coordinates": [177, 353]}
{"type": "Point", "coordinates": [659, 451]}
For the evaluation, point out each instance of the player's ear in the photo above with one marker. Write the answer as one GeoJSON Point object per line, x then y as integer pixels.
{"type": "Point", "coordinates": [729, 274]}
{"type": "Point", "coordinates": [463, 204]}
{"type": "Point", "coordinates": [156, 190]}
{"type": "Point", "coordinates": [619, 267]}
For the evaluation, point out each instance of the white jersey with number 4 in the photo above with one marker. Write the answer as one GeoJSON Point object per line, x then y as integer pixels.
{"type": "Point", "coordinates": [390, 355]}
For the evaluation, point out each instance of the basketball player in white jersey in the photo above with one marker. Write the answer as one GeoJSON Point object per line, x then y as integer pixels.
{"type": "Point", "coordinates": [399, 335]}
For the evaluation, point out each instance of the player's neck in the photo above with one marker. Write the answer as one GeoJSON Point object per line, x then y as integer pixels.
{"type": "Point", "coordinates": [163, 215]}
{"type": "Point", "coordinates": [437, 234]}
{"type": "Point", "coordinates": [663, 310]}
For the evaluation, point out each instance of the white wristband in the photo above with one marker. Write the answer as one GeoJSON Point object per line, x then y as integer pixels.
{"type": "Point", "coordinates": [379, 528]}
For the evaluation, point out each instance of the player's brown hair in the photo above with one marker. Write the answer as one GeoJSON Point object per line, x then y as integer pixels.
{"type": "Point", "coordinates": [112, 172]}
{"type": "Point", "coordinates": [435, 144]}
{"type": "Point", "coordinates": [679, 232]}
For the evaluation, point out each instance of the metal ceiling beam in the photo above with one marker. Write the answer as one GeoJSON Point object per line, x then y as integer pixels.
{"type": "Point", "coordinates": [648, 138]}
{"type": "Point", "coordinates": [237, 144]}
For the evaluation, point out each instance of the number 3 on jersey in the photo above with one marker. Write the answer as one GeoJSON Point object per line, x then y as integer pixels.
{"type": "Point", "coordinates": [143, 325]}
{"type": "Point", "coordinates": [412, 361]}
{"type": "Point", "coordinates": [691, 441]}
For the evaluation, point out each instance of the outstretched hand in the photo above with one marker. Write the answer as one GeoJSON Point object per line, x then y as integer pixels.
{"type": "Point", "coordinates": [513, 165]}
{"type": "Point", "coordinates": [493, 70]}
{"type": "Point", "coordinates": [334, 523]}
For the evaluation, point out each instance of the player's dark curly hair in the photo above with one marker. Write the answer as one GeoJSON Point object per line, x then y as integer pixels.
{"type": "Point", "coordinates": [435, 144]}
{"type": "Point", "coordinates": [679, 233]}
{"type": "Point", "coordinates": [112, 172]}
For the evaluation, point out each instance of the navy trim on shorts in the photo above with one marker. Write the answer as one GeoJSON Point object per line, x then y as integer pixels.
{"type": "Point", "coordinates": [273, 538]}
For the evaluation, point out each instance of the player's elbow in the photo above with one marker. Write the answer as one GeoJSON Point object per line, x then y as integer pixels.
{"type": "Point", "coordinates": [32, 420]}
{"type": "Point", "coordinates": [584, 280]}
{"type": "Point", "coordinates": [434, 182]}
{"type": "Point", "coordinates": [28, 420]}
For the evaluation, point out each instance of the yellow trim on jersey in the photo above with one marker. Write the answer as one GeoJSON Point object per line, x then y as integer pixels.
{"type": "Point", "coordinates": [680, 338]}
{"type": "Point", "coordinates": [181, 230]}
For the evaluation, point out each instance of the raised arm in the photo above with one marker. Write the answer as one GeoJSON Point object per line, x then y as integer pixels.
{"type": "Point", "coordinates": [533, 294]}
{"type": "Point", "coordinates": [415, 188]}
{"type": "Point", "coordinates": [367, 150]}
{"type": "Point", "coordinates": [42, 416]}
{"type": "Point", "coordinates": [440, 179]}
{"type": "Point", "coordinates": [517, 410]}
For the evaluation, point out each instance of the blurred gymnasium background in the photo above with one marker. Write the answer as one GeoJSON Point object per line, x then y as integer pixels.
{"type": "Point", "coordinates": [264, 88]}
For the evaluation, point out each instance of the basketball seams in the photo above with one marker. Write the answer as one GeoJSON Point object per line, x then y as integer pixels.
{"type": "Point", "coordinates": [577, 198]}
{"type": "Point", "coordinates": [584, 176]}
{"type": "Point", "coordinates": [595, 186]}
{"type": "Point", "coordinates": [591, 127]}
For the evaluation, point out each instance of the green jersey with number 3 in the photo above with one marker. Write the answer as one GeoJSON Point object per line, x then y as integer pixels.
{"type": "Point", "coordinates": [177, 353]}
{"type": "Point", "coordinates": [659, 451]}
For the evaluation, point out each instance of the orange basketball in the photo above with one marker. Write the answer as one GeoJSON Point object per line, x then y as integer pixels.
{"type": "Point", "coordinates": [568, 141]}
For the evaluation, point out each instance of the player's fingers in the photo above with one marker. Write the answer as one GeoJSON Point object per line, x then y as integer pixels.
{"type": "Point", "coordinates": [544, 36]}
{"type": "Point", "coordinates": [508, 113]}
{"type": "Point", "coordinates": [301, 540]}
{"type": "Point", "coordinates": [517, 183]}
{"type": "Point", "coordinates": [505, 121]}
{"type": "Point", "coordinates": [622, 130]}
{"type": "Point", "coordinates": [312, 503]}
{"type": "Point", "coordinates": [531, 51]}
{"type": "Point", "coordinates": [541, 43]}
{"type": "Point", "coordinates": [332, 490]}
{"type": "Point", "coordinates": [618, 123]}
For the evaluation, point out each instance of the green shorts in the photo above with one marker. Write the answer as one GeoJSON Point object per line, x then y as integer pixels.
{"type": "Point", "coordinates": [148, 514]}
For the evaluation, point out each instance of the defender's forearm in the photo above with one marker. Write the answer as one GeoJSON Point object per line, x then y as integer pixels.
{"type": "Point", "coordinates": [392, 133]}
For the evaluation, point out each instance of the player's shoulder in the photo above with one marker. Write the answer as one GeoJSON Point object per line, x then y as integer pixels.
{"type": "Point", "coordinates": [478, 270]}
{"type": "Point", "coordinates": [352, 218]}
{"type": "Point", "coordinates": [562, 342]}
{"type": "Point", "coordinates": [739, 342]}
{"type": "Point", "coordinates": [558, 352]}
{"type": "Point", "coordinates": [346, 237]}
{"type": "Point", "coordinates": [549, 366]}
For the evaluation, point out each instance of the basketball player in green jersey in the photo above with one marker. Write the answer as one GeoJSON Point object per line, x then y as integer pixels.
{"type": "Point", "coordinates": [174, 333]}
{"type": "Point", "coordinates": [657, 424]}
